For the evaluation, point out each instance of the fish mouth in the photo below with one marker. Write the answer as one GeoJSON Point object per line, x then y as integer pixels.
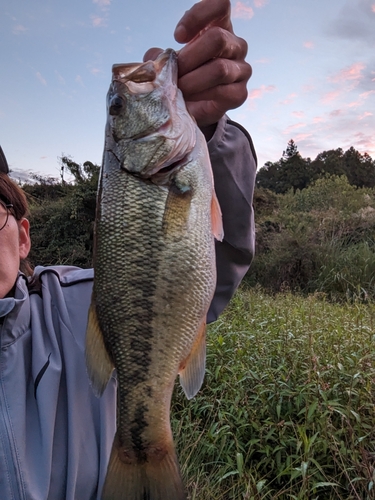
{"type": "Point", "coordinates": [147, 72]}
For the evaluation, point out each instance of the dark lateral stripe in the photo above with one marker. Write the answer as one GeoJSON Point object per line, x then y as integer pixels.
{"type": "Point", "coordinates": [40, 375]}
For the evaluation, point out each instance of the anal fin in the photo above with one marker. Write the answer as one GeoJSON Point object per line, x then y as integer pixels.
{"type": "Point", "coordinates": [193, 368]}
{"type": "Point", "coordinates": [98, 362]}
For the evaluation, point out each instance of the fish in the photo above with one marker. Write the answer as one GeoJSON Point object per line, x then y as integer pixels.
{"type": "Point", "coordinates": [154, 272]}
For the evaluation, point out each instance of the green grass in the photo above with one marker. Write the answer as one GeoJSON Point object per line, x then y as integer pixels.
{"type": "Point", "coordinates": [287, 407]}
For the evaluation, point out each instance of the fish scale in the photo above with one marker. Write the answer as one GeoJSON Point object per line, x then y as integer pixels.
{"type": "Point", "coordinates": [155, 272]}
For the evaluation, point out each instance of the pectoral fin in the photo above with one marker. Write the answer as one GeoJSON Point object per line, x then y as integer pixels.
{"type": "Point", "coordinates": [193, 368]}
{"type": "Point", "coordinates": [98, 361]}
{"type": "Point", "coordinates": [216, 218]}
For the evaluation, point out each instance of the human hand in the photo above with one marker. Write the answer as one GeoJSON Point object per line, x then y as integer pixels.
{"type": "Point", "coordinates": [213, 73]}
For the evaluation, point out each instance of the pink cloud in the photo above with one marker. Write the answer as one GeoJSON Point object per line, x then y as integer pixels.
{"type": "Point", "coordinates": [373, 7]}
{"type": "Point", "coordinates": [365, 95]}
{"type": "Point", "coordinates": [298, 114]}
{"type": "Point", "coordinates": [97, 21]}
{"type": "Point", "coordinates": [242, 11]}
{"type": "Point", "coordinates": [296, 126]}
{"type": "Point", "coordinates": [308, 45]}
{"type": "Point", "coordinates": [260, 3]}
{"type": "Point", "coordinates": [40, 78]}
{"type": "Point", "coordinates": [318, 119]}
{"type": "Point", "coordinates": [258, 93]}
{"type": "Point", "coordinates": [301, 137]}
{"type": "Point", "coordinates": [289, 99]}
{"type": "Point", "coordinates": [330, 96]}
{"type": "Point", "coordinates": [308, 88]}
{"type": "Point", "coordinates": [335, 113]}
{"type": "Point", "coordinates": [365, 115]}
{"type": "Point", "coordinates": [365, 142]}
{"type": "Point", "coordinates": [262, 61]}
{"type": "Point", "coordinates": [102, 3]}
{"type": "Point", "coordinates": [18, 29]}
{"type": "Point", "coordinates": [352, 72]}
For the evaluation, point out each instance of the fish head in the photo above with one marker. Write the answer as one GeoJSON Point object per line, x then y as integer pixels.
{"type": "Point", "coordinates": [148, 126]}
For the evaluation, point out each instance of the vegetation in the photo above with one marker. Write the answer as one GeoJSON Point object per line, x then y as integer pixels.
{"type": "Point", "coordinates": [287, 408]}
{"type": "Point", "coordinates": [321, 238]}
{"type": "Point", "coordinates": [294, 172]}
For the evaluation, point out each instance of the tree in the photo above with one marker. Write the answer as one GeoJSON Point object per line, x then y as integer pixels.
{"type": "Point", "coordinates": [291, 171]}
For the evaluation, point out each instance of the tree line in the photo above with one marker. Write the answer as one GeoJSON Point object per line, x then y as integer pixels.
{"type": "Point", "coordinates": [292, 171]}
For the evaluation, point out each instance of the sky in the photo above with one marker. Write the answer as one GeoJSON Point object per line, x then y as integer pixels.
{"type": "Point", "coordinates": [313, 73]}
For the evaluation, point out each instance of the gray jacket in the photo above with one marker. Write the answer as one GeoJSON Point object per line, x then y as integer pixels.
{"type": "Point", "coordinates": [55, 435]}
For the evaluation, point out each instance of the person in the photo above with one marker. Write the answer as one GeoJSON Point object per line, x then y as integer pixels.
{"type": "Point", "coordinates": [55, 435]}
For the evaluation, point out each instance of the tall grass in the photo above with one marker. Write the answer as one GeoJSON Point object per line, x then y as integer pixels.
{"type": "Point", "coordinates": [287, 407]}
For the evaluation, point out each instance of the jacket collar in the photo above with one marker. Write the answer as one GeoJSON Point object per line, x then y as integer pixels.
{"type": "Point", "coordinates": [16, 313]}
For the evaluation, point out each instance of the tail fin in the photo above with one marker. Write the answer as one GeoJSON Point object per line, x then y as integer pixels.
{"type": "Point", "coordinates": [155, 478]}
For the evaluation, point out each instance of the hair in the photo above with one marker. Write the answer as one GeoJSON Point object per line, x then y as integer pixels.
{"type": "Point", "coordinates": [12, 194]}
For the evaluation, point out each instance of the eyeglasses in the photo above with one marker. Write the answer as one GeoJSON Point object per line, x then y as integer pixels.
{"type": "Point", "coordinates": [4, 216]}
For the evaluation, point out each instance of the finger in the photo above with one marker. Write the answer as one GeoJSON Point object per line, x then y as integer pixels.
{"type": "Point", "coordinates": [206, 113]}
{"type": "Point", "coordinates": [212, 74]}
{"type": "Point", "coordinates": [152, 54]}
{"type": "Point", "coordinates": [213, 43]}
{"type": "Point", "coordinates": [203, 14]}
{"type": "Point", "coordinates": [224, 96]}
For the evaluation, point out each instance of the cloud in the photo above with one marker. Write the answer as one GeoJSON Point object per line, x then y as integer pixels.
{"type": "Point", "coordinates": [298, 114]}
{"type": "Point", "coordinates": [258, 93]}
{"type": "Point", "coordinates": [335, 112]}
{"type": "Point", "coordinates": [365, 115]}
{"type": "Point", "coordinates": [102, 3]}
{"type": "Point", "coordinates": [308, 45]}
{"type": "Point", "coordinates": [242, 11]}
{"type": "Point", "coordinates": [60, 78]}
{"type": "Point", "coordinates": [296, 126]}
{"type": "Point", "coordinates": [289, 99]}
{"type": "Point", "coordinates": [365, 95]}
{"type": "Point", "coordinates": [95, 71]}
{"type": "Point", "coordinates": [40, 78]}
{"type": "Point", "coordinates": [331, 96]}
{"type": "Point", "coordinates": [366, 142]}
{"type": "Point", "coordinates": [354, 22]}
{"type": "Point", "coordinates": [79, 80]}
{"type": "Point", "coordinates": [260, 3]}
{"type": "Point", "coordinates": [98, 21]}
{"type": "Point", "coordinates": [318, 119]}
{"type": "Point", "coordinates": [373, 8]}
{"type": "Point", "coordinates": [353, 72]}
{"type": "Point", "coordinates": [18, 29]}
{"type": "Point", "coordinates": [302, 137]}
{"type": "Point", "coordinates": [262, 61]}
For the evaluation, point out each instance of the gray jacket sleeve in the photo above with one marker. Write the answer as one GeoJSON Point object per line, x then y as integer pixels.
{"type": "Point", "coordinates": [234, 166]}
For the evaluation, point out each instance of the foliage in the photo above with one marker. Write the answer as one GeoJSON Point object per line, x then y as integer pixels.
{"type": "Point", "coordinates": [294, 172]}
{"type": "Point", "coordinates": [62, 226]}
{"type": "Point", "coordinates": [321, 238]}
{"type": "Point", "coordinates": [287, 408]}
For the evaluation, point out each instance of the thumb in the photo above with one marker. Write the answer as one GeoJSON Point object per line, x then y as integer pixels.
{"type": "Point", "coordinates": [152, 54]}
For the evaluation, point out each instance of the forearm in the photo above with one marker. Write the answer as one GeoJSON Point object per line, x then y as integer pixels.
{"type": "Point", "coordinates": [234, 166]}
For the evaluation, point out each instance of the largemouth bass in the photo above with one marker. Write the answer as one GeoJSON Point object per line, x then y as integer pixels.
{"type": "Point", "coordinates": [154, 261]}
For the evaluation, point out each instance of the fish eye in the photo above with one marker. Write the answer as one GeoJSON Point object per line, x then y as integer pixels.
{"type": "Point", "coordinates": [115, 105]}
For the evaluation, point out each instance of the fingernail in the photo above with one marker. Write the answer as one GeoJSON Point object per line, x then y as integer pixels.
{"type": "Point", "coordinates": [180, 33]}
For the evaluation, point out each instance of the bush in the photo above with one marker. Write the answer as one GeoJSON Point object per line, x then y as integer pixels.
{"type": "Point", "coordinates": [319, 239]}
